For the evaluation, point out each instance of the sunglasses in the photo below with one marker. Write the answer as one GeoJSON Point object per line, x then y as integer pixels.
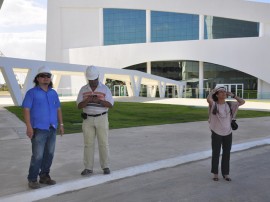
{"type": "Point", "coordinates": [45, 75]}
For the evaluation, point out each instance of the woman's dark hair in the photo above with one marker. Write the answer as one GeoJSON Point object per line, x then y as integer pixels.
{"type": "Point", "coordinates": [215, 110]}
{"type": "Point", "coordinates": [214, 97]}
{"type": "Point", "coordinates": [36, 82]}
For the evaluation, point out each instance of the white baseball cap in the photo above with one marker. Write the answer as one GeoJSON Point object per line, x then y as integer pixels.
{"type": "Point", "coordinates": [91, 73]}
{"type": "Point", "coordinates": [44, 69]}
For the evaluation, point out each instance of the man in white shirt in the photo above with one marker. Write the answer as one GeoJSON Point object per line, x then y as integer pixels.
{"type": "Point", "coordinates": [95, 99]}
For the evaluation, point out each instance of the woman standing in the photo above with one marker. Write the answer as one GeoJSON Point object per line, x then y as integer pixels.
{"type": "Point", "coordinates": [220, 117]}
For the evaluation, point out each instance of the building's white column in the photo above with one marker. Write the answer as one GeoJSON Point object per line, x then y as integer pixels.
{"type": "Point", "coordinates": [148, 67]}
{"type": "Point", "coordinates": [148, 40]}
{"type": "Point", "coordinates": [101, 30]}
{"type": "Point", "coordinates": [201, 37]}
{"type": "Point", "coordinates": [201, 77]}
{"type": "Point", "coordinates": [148, 70]}
{"type": "Point", "coordinates": [259, 89]}
{"type": "Point", "coordinates": [201, 27]}
{"type": "Point", "coordinates": [259, 86]}
{"type": "Point", "coordinates": [148, 26]}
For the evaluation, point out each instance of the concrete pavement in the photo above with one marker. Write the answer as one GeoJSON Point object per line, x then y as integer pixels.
{"type": "Point", "coordinates": [131, 149]}
{"type": "Point", "coordinates": [189, 182]}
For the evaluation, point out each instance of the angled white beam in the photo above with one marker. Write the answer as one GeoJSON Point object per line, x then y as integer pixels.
{"type": "Point", "coordinates": [28, 83]}
{"type": "Point", "coordinates": [12, 84]}
{"type": "Point", "coordinates": [56, 80]}
{"type": "Point", "coordinates": [134, 79]}
{"type": "Point", "coordinates": [153, 91]}
{"type": "Point", "coordinates": [135, 85]}
{"type": "Point", "coordinates": [162, 89]}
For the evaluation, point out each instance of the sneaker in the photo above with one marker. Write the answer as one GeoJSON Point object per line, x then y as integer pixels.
{"type": "Point", "coordinates": [106, 171]}
{"type": "Point", "coordinates": [46, 179]}
{"type": "Point", "coordinates": [33, 184]}
{"type": "Point", "coordinates": [86, 172]}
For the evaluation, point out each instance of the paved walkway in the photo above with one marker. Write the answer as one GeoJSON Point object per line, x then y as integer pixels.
{"type": "Point", "coordinates": [133, 149]}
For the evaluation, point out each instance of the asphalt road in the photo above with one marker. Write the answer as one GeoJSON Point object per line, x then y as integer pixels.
{"type": "Point", "coordinates": [190, 182]}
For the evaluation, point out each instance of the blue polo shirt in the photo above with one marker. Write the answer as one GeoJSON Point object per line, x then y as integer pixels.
{"type": "Point", "coordinates": [43, 107]}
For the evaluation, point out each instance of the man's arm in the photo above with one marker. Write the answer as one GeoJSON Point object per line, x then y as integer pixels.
{"type": "Point", "coordinates": [84, 103]}
{"type": "Point", "coordinates": [105, 103]}
{"type": "Point", "coordinates": [29, 129]}
{"type": "Point", "coordinates": [94, 99]}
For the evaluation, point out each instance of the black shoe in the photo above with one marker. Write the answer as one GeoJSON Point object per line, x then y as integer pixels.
{"type": "Point", "coordinates": [86, 172]}
{"type": "Point", "coordinates": [227, 178]}
{"type": "Point", "coordinates": [33, 185]}
{"type": "Point", "coordinates": [106, 171]}
{"type": "Point", "coordinates": [46, 179]}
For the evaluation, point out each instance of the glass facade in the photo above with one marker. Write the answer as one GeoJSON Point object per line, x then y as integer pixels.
{"type": "Point", "coordinates": [167, 69]}
{"type": "Point", "coordinates": [218, 28]}
{"type": "Point", "coordinates": [214, 74]}
{"type": "Point", "coordinates": [124, 26]}
{"type": "Point", "coordinates": [167, 26]}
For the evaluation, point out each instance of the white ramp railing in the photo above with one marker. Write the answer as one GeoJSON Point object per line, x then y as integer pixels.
{"type": "Point", "coordinates": [133, 79]}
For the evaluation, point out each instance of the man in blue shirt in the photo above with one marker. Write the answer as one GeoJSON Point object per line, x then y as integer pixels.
{"type": "Point", "coordinates": [42, 115]}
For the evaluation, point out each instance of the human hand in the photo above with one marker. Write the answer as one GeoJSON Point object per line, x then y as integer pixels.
{"type": "Point", "coordinates": [95, 99]}
{"type": "Point", "coordinates": [230, 94]}
{"type": "Point", "coordinates": [29, 132]}
{"type": "Point", "coordinates": [61, 130]}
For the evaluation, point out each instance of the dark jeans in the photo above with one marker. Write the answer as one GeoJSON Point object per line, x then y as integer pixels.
{"type": "Point", "coordinates": [43, 145]}
{"type": "Point", "coordinates": [226, 142]}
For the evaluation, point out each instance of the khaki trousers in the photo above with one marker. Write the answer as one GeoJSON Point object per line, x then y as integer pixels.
{"type": "Point", "coordinates": [96, 127]}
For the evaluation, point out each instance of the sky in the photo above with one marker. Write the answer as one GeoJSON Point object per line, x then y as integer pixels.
{"type": "Point", "coordinates": [23, 28]}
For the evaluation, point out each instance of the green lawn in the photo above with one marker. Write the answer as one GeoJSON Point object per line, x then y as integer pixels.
{"type": "Point", "coordinates": [126, 114]}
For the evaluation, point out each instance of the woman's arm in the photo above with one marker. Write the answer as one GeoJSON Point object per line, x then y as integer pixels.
{"type": "Point", "coordinates": [210, 99]}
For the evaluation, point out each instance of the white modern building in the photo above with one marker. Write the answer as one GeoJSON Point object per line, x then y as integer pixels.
{"type": "Point", "coordinates": [201, 42]}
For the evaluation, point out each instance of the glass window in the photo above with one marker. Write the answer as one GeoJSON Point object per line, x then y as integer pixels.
{"type": "Point", "coordinates": [215, 74]}
{"type": "Point", "coordinates": [167, 26]}
{"type": "Point", "coordinates": [217, 28]}
{"type": "Point", "coordinates": [124, 26]}
{"type": "Point", "coordinates": [166, 69]}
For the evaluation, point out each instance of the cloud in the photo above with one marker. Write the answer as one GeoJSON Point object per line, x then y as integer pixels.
{"type": "Point", "coordinates": [27, 45]}
{"type": "Point", "coordinates": [23, 29]}
{"type": "Point", "coordinates": [21, 13]}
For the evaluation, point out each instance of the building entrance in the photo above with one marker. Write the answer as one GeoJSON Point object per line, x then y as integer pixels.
{"type": "Point", "coordinates": [235, 88]}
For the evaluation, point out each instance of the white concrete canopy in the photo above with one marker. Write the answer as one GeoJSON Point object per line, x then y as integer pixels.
{"type": "Point", "coordinates": [133, 79]}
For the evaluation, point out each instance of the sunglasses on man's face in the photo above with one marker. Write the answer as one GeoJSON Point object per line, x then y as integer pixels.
{"type": "Point", "coordinates": [45, 75]}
